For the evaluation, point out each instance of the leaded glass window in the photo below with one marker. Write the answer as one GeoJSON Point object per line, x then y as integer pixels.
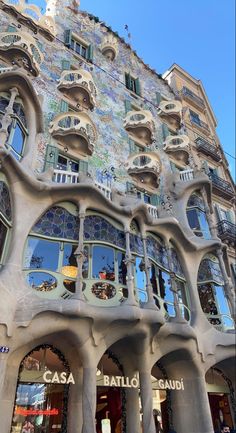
{"type": "Point", "coordinates": [57, 222]}
{"type": "Point", "coordinates": [5, 203]}
{"type": "Point", "coordinates": [209, 271]}
{"type": "Point", "coordinates": [97, 228]}
{"type": "Point", "coordinates": [157, 251]}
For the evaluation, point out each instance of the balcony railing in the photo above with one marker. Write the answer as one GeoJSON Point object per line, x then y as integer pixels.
{"type": "Point", "coordinates": [196, 100]}
{"type": "Point", "coordinates": [207, 148]}
{"type": "Point", "coordinates": [152, 210]}
{"type": "Point", "coordinates": [222, 322]}
{"type": "Point", "coordinates": [221, 186]}
{"type": "Point", "coordinates": [227, 231]}
{"type": "Point", "coordinates": [68, 177]}
{"type": "Point", "coordinates": [62, 176]}
{"type": "Point", "coordinates": [186, 175]}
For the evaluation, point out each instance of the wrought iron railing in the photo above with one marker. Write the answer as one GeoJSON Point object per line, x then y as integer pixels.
{"type": "Point", "coordinates": [191, 95]}
{"type": "Point", "coordinates": [226, 228]}
{"type": "Point", "coordinates": [221, 184]}
{"type": "Point", "coordinates": [207, 148]}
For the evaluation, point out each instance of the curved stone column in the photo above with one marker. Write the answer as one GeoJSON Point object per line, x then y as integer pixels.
{"type": "Point", "coordinates": [89, 399]}
{"type": "Point", "coordinates": [147, 401]}
{"type": "Point", "coordinates": [191, 409]}
{"type": "Point", "coordinates": [75, 411]}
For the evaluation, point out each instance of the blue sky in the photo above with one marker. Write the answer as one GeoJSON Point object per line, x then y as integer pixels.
{"type": "Point", "coordinates": [196, 34]}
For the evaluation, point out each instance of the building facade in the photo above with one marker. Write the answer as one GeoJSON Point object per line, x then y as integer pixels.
{"type": "Point", "coordinates": [117, 235]}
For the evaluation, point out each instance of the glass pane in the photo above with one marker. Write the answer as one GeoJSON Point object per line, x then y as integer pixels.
{"type": "Point", "coordinates": [140, 278]}
{"type": "Point", "coordinates": [3, 234]}
{"type": "Point", "coordinates": [193, 219]}
{"type": "Point", "coordinates": [153, 278]}
{"type": "Point", "coordinates": [166, 292]}
{"type": "Point", "coordinates": [69, 263]}
{"type": "Point", "coordinates": [204, 224]}
{"type": "Point", "coordinates": [103, 263]}
{"type": "Point", "coordinates": [62, 163]}
{"type": "Point", "coordinates": [5, 203]}
{"type": "Point", "coordinates": [57, 222]}
{"type": "Point", "coordinates": [41, 281]}
{"type": "Point", "coordinates": [74, 166]}
{"type": "Point", "coordinates": [78, 48]}
{"type": "Point", "coordinates": [122, 269]}
{"type": "Point", "coordinates": [147, 199]}
{"type": "Point", "coordinates": [41, 254]}
{"type": "Point", "coordinates": [222, 301]}
{"type": "Point", "coordinates": [83, 52]}
{"type": "Point", "coordinates": [17, 139]}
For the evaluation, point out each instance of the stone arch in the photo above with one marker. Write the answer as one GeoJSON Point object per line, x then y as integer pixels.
{"type": "Point", "coordinates": [22, 86]}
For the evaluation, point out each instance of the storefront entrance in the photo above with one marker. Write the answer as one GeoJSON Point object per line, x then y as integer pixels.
{"type": "Point", "coordinates": [42, 393]}
{"type": "Point", "coordinates": [219, 399]}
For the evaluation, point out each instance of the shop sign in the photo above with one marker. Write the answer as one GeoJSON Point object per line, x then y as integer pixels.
{"type": "Point", "coordinates": [61, 378]}
{"type": "Point", "coordinates": [26, 412]}
{"type": "Point", "coordinates": [126, 382]}
{"type": "Point", "coordinates": [4, 349]}
{"type": "Point", "coordinates": [121, 381]}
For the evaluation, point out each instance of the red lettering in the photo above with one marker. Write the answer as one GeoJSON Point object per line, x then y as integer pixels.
{"type": "Point", "coordinates": [25, 412]}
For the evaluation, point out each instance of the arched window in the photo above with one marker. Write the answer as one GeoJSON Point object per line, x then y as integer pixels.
{"type": "Point", "coordinates": [212, 295]}
{"type": "Point", "coordinates": [17, 130]}
{"type": "Point", "coordinates": [5, 218]}
{"type": "Point", "coordinates": [197, 216]}
{"type": "Point", "coordinates": [50, 263]}
{"type": "Point", "coordinates": [42, 392]}
{"type": "Point", "coordinates": [104, 269]}
{"type": "Point", "coordinates": [160, 276]}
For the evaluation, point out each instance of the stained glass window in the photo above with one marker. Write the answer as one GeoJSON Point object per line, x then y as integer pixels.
{"type": "Point", "coordinates": [57, 222]}
{"type": "Point", "coordinates": [177, 268]}
{"type": "Point", "coordinates": [210, 271]}
{"type": "Point", "coordinates": [5, 203]}
{"type": "Point", "coordinates": [136, 244]}
{"type": "Point", "coordinates": [97, 228]}
{"type": "Point", "coordinates": [157, 252]}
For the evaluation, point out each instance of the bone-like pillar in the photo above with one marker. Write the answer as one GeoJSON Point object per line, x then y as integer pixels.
{"type": "Point", "coordinates": [209, 215]}
{"type": "Point", "coordinates": [229, 290]}
{"type": "Point", "coordinates": [7, 393]}
{"type": "Point", "coordinates": [191, 414]}
{"type": "Point", "coordinates": [130, 279]}
{"type": "Point", "coordinates": [80, 258]}
{"type": "Point", "coordinates": [7, 119]}
{"type": "Point", "coordinates": [89, 399]}
{"type": "Point", "coordinates": [147, 400]}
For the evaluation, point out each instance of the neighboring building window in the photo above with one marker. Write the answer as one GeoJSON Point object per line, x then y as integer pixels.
{"type": "Point", "coordinates": [49, 260]}
{"type": "Point", "coordinates": [132, 84]}
{"type": "Point", "coordinates": [211, 292]}
{"type": "Point", "coordinates": [196, 215]}
{"type": "Point", "coordinates": [194, 117]}
{"type": "Point", "coordinates": [17, 130]}
{"type": "Point", "coordinates": [5, 218]}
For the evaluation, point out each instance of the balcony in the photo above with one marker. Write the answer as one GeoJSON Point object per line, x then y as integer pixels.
{"type": "Point", "coordinates": [202, 126]}
{"type": "Point", "coordinates": [191, 97]}
{"type": "Point", "coordinates": [227, 232]}
{"type": "Point", "coordinates": [109, 47]}
{"type": "Point", "coordinates": [68, 177]}
{"type": "Point", "coordinates": [31, 14]}
{"type": "Point", "coordinates": [221, 187]}
{"type": "Point", "coordinates": [140, 126]}
{"type": "Point", "coordinates": [79, 86]}
{"type": "Point", "coordinates": [75, 131]}
{"type": "Point", "coordinates": [171, 111]}
{"type": "Point", "coordinates": [19, 48]}
{"type": "Point", "coordinates": [208, 149]}
{"type": "Point", "coordinates": [222, 322]}
{"type": "Point", "coordinates": [178, 145]}
{"type": "Point", "coordinates": [186, 175]}
{"type": "Point", "coordinates": [145, 167]}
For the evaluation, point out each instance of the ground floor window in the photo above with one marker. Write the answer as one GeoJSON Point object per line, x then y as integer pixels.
{"type": "Point", "coordinates": [42, 393]}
